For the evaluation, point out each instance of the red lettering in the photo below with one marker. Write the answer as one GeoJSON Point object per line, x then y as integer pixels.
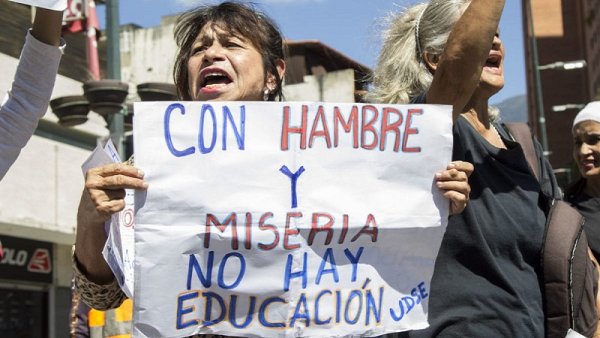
{"type": "Point", "coordinates": [344, 230]}
{"type": "Point", "coordinates": [287, 129]}
{"type": "Point", "coordinates": [387, 127]}
{"type": "Point", "coordinates": [315, 228]}
{"type": "Point", "coordinates": [230, 220]}
{"type": "Point", "coordinates": [410, 131]}
{"type": "Point", "coordinates": [351, 124]}
{"type": "Point", "coordinates": [367, 127]}
{"type": "Point", "coordinates": [370, 229]}
{"type": "Point", "coordinates": [290, 232]}
{"type": "Point", "coordinates": [269, 227]}
{"type": "Point", "coordinates": [248, 239]}
{"type": "Point", "coordinates": [320, 117]}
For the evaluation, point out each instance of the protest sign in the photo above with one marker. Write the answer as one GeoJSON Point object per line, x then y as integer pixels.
{"type": "Point", "coordinates": [287, 219]}
{"type": "Point", "coordinates": [55, 5]}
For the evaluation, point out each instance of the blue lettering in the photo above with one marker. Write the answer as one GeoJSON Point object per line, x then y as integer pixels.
{"type": "Point", "coordinates": [194, 265]}
{"type": "Point", "coordinates": [406, 304]}
{"type": "Point", "coordinates": [262, 318]}
{"type": "Point", "coordinates": [222, 269]}
{"type": "Point", "coordinates": [327, 257]}
{"type": "Point", "coordinates": [232, 312]}
{"type": "Point", "coordinates": [338, 302]}
{"type": "Point", "coordinates": [203, 148]}
{"type": "Point", "coordinates": [415, 294]}
{"type": "Point", "coordinates": [372, 307]}
{"type": "Point", "coordinates": [294, 178]}
{"type": "Point", "coordinates": [353, 295]}
{"type": "Point", "coordinates": [318, 321]}
{"type": "Point", "coordinates": [289, 274]}
{"type": "Point", "coordinates": [239, 133]}
{"type": "Point", "coordinates": [181, 311]}
{"type": "Point", "coordinates": [354, 260]}
{"type": "Point", "coordinates": [208, 308]}
{"type": "Point", "coordinates": [423, 290]}
{"type": "Point", "coordinates": [167, 129]}
{"type": "Point", "coordinates": [397, 317]}
{"type": "Point", "coordinates": [301, 315]}
{"type": "Point", "coordinates": [409, 302]}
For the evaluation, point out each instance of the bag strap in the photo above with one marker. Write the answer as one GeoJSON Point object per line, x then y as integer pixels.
{"type": "Point", "coordinates": [564, 272]}
{"type": "Point", "coordinates": [522, 134]}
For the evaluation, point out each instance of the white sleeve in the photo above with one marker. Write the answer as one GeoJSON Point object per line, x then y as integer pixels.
{"type": "Point", "coordinates": [27, 101]}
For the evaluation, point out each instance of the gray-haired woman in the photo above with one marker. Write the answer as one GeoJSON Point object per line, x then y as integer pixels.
{"type": "Point", "coordinates": [486, 277]}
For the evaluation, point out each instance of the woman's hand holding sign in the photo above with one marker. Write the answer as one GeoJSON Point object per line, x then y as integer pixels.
{"type": "Point", "coordinates": [454, 181]}
{"type": "Point", "coordinates": [104, 195]}
{"type": "Point", "coordinates": [105, 189]}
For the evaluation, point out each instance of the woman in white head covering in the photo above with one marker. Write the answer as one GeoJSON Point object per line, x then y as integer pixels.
{"type": "Point", "coordinates": [585, 193]}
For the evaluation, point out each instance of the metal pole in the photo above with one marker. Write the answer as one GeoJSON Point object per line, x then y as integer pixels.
{"type": "Point", "coordinates": [112, 36]}
{"type": "Point", "coordinates": [538, 82]}
{"type": "Point", "coordinates": [114, 70]}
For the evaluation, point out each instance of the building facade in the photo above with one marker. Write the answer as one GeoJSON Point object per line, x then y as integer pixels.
{"type": "Point", "coordinates": [563, 31]}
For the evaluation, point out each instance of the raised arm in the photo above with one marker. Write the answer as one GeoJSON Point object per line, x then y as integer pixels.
{"type": "Point", "coordinates": [458, 69]}
{"type": "Point", "coordinates": [27, 100]}
{"type": "Point", "coordinates": [47, 26]}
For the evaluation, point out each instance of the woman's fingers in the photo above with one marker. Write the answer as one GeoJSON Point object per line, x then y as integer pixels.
{"type": "Point", "coordinates": [115, 176]}
{"type": "Point", "coordinates": [465, 167]}
{"type": "Point", "coordinates": [454, 181]}
{"type": "Point", "coordinates": [458, 201]}
{"type": "Point", "coordinates": [106, 187]}
{"type": "Point", "coordinates": [462, 187]}
{"type": "Point", "coordinates": [457, 170]}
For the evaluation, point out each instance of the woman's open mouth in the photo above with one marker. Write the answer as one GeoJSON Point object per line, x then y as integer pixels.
{"type": "Point", "coordinates": [212, 80]}
{"type": "Point", "coordinates": [493, 63]}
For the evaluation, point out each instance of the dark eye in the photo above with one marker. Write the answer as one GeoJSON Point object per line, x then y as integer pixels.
{"type": "Point", "coordinates": [232, 44]}
{"type": "Point", "coordinates": [198, 49]}
{"type": "Point", "coordinates": [591, 140]}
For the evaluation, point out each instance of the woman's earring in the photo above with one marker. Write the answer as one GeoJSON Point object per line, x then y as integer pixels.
{"type": "Point", "coordinates": [266, 94]}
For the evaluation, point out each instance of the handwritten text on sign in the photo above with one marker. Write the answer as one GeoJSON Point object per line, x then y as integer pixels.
{"type": "Point", "coordinates": [287, 219]}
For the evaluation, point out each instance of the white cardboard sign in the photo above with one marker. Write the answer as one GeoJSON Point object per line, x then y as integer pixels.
{"type": "Point", "coordinates": [287, 219]}
{"type": "Point", "coordinates": [56, 5]}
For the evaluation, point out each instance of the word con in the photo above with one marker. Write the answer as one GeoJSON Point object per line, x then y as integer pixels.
{"type": "Point", "coordinates": [368, 130]}
{"type": "Point", "coordinates": [208, 118]}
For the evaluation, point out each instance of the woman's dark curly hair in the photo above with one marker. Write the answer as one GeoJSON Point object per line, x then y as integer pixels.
{"type": "Point", "coordinates": [239, 19]}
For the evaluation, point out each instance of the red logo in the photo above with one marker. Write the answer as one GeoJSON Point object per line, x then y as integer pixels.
{"type": "Point", "coordinates": [40, 262]}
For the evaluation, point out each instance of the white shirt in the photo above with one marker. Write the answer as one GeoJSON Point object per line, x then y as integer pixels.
{"type": "Point", "coordinates": [27, 101]}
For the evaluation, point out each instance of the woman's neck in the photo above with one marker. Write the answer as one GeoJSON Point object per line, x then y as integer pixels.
{"type": "Point", "coordinates": [477, 113]}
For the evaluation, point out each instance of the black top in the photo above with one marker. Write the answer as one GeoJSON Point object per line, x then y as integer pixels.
{"type": "Point", "coordinates": [590, 209]}
{"type": "Point", "coordinates": [485, 282]}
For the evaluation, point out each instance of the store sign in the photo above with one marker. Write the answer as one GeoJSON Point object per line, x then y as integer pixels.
{"type": "Point", "coordinates": [26, 260]}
